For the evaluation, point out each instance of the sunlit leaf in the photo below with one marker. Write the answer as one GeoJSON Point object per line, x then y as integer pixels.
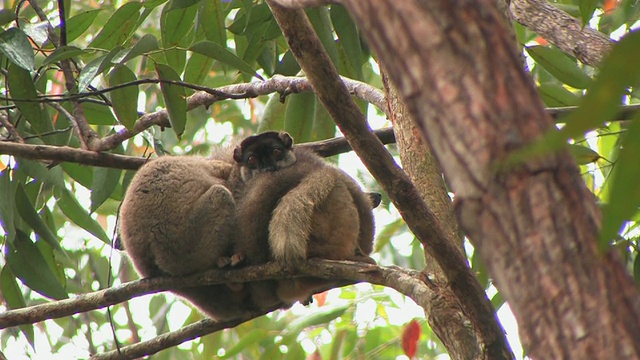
{"type": "Point", "coordinates": [624, 192]}
{"type": "Point", "coordinates": [95, 67]}
{"type": "Point", "coordinates": [28, 264]}
{"type": "Point", "coordinates": [273, 114]}
{"type": "Point", "coordinates": [125, 99]}
{"type": "Point", "coordinates": [15, 44]}
{"type": "Point", "coordinates": [558, 64]}
{"type": "Point", "coordinates": [583, 154]}
{"type": "Point", "coordinates": [349, 42]}
{"type": "Point", "coordinates": [254, 336]}
{"type": "Point", "coordinates": [322, 316]}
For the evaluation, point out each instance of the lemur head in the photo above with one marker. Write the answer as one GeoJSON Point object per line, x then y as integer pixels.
{"type": "Point", "coordinates": [268, 151]}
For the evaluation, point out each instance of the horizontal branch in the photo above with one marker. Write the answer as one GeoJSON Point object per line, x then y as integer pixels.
{"type": "Point", "coordinates": [409, 282]}
{"type": "Point", "coordinates": [284, 85]}
{"type": "Point", "coordinates": [324, 148]}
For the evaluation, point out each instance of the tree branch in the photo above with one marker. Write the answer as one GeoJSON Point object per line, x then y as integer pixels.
{"type": "Point", "coordinates": [562, 30]}
{"type": "Point", "coordinates": [283, 84]}
{"type": "Point", "coordinates": [408, 282]}
{"type": "Point", "coordinates": [311, 56]}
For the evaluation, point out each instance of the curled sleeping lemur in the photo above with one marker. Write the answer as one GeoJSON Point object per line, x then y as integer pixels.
{"type": "Point", "coordinates": [263, 201]}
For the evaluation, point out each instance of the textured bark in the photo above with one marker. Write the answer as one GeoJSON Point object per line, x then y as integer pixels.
{"type": "Point", "coordinates": [536, 225]}
{"type": "Point", "coordinates": [333, 94]}
{"type": "Point", "coordinates": [562, 30]}
{"type": "Point", "coordinates": [443, 310]}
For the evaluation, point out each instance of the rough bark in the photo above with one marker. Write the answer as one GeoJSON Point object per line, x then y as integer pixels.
{"type": "Point", "coordinates": [443, 312]}
{"type": "Point", "coordinates": [315, 62]}
{"type": "Point", "coordinates": [536, 225]}
{"type": "Point", "coordinates": [562, 30]}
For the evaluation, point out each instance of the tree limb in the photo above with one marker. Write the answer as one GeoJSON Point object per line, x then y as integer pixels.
{"type": "Point", "coordinates": [562, 30]}
{"type": "Point", "coordinates": [409, 282]}
{"type": "Point", "coordinates": [315, 62]}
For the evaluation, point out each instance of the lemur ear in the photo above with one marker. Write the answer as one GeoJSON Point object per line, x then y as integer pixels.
{"type": "Point", "coordinates": [237, 154]}
{"type": "Point", "coordinates": [375, 199]}
{"type": "Point", "coordinates": [286, 139]}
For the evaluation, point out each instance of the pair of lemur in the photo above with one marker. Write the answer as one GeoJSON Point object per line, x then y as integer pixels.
{"type": "Point", "coordinates": [263, 201]}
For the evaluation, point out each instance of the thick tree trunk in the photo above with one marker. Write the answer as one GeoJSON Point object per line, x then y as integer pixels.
{"type": "Point", "coordinates": [443, 312]}
{"type": "Point", "coordinates": [535, 226]}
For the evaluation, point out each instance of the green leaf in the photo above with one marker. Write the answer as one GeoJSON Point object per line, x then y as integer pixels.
{"type": "Point", "coordinates": [95, 67]}
{"type": "Point", "coordinates": [21, 87]}
{"type": "Point", "coordinates": [254, 336]}
{"type": "Point", "coordinates": [119, 27]}
{"type": "Point", "coordinates": [78, 24]}
{"type": "Point", "coordinates": [322, 316]}
{"type": "Point", "coordinates": [624, 192]}
{"type": "Point", "coordinates": [619, 71]}
{"type": "Point", "coordinates": [319, 18]}
{"type": "Point", "coordinates": [98, 114]}
{"type": "Point", "coordinates": [15, 44]}
{"type": "Point", "coordinates": [7, 204]}
{"type": "Point", "coordinates": [300, 116]}
{"type": "Point", "coordinates": [14, 299]}
{"type": "Point", "coordinates": [41, 173]}
{"type": "Point", "coordinates": [211, 17]}
{"type": "Point", "coordinates": [79, 216]}
{"type": "Point", "coordinates": [105, 181]}
{"type": "Point", "coordinates": [197, 69]}
{"type": "Point", "coordinates": [63, 53]}
{"type": "Point", "coordinates": [176, 21]}
{"type": "Point", "coordinates": [558, 64]}
{"type": "Point", "coordinates": [252, 18]}
{"type": "Point", "coordinates": [273, 114]}
{"type": "Point", "coordinates": [349, 41]}
{"type": "Point", "coordinates": [583, 154]}
{"type": "Point", "coordinates": [555, 95]}
{"type": "Point", "coordinates": [217, 52]}
{"type": "Point", "coordinates": [146, 44]}
{"type": "Point", "coordinates": [124, 100]}
{"type": "Point", "coordinates": [28, 264]}
{"type": "Point", "coordinates": [174, 98]}
{"type": "Point", "coordinates": [7, 16]}
{"type": "Point", "coordinates": [29, 214]}
{"type": "Point", "coordinates": [80, 173]}
{"type": "Point", "coordinates": [587, 7]}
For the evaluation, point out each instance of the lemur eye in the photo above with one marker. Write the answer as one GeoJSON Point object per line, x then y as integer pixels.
{"type": "Point", "coordinates": [252, 160]}
{"type": "Point", "coordinates": [277, 153]}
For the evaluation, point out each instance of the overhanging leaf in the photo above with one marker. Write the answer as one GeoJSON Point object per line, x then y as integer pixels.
{"type": "Point", "coordinates": [217, 52]}
{"type": "Point", "coordinates": [63, 53]}
{"type": "Point", "coordinates": [79, 216]}
{"type": "Point", "coordinates": [105, 181]}
{"type": "Point", "coordinates": [29, 214]}
{"type": "Point", "coordinates": [560, 65]}
{"type": "Point", "coordinates": [15, 44]}
{"type": "Point", "coordinates": [14, 299]}
{"type": "Point", "coordinates": [78, 24]}
{"type": "Point", "coordinates": [28, 264]}
{"type": "Point", "coordinates": [624, 192]}
{"type": "Point", "coordinates": [22, 89]}
{"type": "Point", "coordinates": [119, 26]}
{"type": "Point", "coordinates": [174, 98]}
{"type": "Point", "coordinates": [124, 100]}
{"type": "Point", "coordinates": [146, 44]}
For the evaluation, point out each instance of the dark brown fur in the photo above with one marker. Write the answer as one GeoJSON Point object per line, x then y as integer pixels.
{"type": "Point", "coordinates": [178, 218]}
{"type": "Point", "coordinates": [302, 210]}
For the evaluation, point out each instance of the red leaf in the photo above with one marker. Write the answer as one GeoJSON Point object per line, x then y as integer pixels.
{"type": "Point", "coordinates": [410, 337]}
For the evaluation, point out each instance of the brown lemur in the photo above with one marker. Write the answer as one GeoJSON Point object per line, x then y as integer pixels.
{"type": "Point", "coordinates": [178, 218]}
{"type": "Point", "coordinates": [294, 206]}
